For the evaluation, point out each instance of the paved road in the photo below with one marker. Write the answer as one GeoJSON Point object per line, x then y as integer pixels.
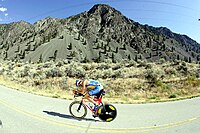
{"type": "Point", "coordinates": [26, 113]}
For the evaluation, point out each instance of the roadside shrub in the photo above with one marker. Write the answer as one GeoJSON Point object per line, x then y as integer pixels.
{"type": "Point", "coordinates": [170, 71]}
{"type": "Point", "coordinates": [33, 73]}
{"type": "Point", "coordinates": [172, 96]}
{"type": "Point", "coordinates": [117, 66]}
{"type": "Point", "coordinates": [37, 74]}
{"type": "Point", "coordinates": [53, 72]}
{"type": "Point", "coordinates": [108, 61]}
{"type": "Point", "coordinates": [75, 70]}
{"type": "Point", "coordinates": [117, 74]}
{"type": "Point", "coordinates": [59, 63]}
{"type": "Point", "coordinates": [182, 68]}
{"type": "Point", "coordinates": [103, 66]}
{"type": "Point", "coordinates": [142, 63]}
{"type": "Point", "coordinates": [162, 60]}
{"type": "Point", "coordinates": [24, 71]}
{"type": "Point", "coordinates": [96, 74]}
{"type": "Point", "coordinates": [11, 66]}
{"type": "Point", "coordinates": [153, 75]}
{"type": "Point", "coordinates": [107, 73]}
{"type": "Point", "coordinates": [45, 65]}
{"type": "Point", "coordinates": [149, 66]}
{"type": "Point", "coordinates": [86, 67]}
{"type": "Point", "coordinates": [80, 72]}
{"type": "Point", "coordinates": [63, 84]}
{"type": "Point", "coordinates": [162, 85]}
{"type": "Point", "coordinates": [198, 73]}
{"type": "Point", "coordinates": [131, 63]}
{"type": "Point", "coordinates": [124, 61]}
{"type": "Point", "coordinates": [65, 61]}
{"type": "Point", "coordinates": [2, 70]}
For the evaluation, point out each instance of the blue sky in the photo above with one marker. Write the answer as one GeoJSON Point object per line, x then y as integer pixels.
{"type": "Point", "coordinates": [180, 16]}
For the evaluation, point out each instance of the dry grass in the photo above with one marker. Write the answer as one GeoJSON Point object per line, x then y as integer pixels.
{"type": "Point", "coordinates": [124, 82]}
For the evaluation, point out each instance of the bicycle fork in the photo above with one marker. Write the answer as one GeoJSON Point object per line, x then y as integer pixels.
{"type": "Point", "coordinates": [79, 107]}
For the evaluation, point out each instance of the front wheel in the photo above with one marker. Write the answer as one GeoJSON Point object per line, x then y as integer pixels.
{"type": "Point", "coordinates": [107, 112]}
{"type": "Point", "coordinates": [77, 109]}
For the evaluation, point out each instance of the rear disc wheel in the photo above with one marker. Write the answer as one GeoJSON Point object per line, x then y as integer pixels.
{"type": "Point", "coordinates": [107, 112]}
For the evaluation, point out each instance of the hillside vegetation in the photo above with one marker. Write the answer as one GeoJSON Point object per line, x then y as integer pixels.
{"type": "Point", "coordinates": [125, 82]}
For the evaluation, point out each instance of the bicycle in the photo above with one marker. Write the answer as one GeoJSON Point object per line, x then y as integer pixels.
{"type": "Point", "coordinates": [106, 112]}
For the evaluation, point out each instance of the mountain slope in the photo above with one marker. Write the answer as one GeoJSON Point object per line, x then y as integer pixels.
{"type": "Point", "coordinates": [99, 34]}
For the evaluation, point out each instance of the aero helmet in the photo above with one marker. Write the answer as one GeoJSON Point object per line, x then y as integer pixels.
{"type": "Point", "coordinates": [77, 82]}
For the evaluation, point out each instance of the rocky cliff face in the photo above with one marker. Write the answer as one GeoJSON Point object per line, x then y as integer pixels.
{"type": "Point", "coordinates": [99, 34]}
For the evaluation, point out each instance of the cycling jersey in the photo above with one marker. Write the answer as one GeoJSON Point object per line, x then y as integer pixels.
{"type": "Point", "coordinates": [92, 84]}
{"type": "Point", "coordinates": [94, 87]}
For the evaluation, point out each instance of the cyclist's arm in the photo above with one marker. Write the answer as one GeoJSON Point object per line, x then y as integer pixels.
{"type": "Point", "coordinates": [79, 90]}
{"type": "Point", "coordinates": [85, 83]}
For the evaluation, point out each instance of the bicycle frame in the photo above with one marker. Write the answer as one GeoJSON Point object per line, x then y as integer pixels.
{"type": "Point", "coordinates": [99, 101]}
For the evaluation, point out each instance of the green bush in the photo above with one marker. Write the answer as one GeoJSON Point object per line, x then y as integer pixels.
{"type": "Point", "coordinates": [53, 72]}
{"type": "Point", "coordinates": [24, 71]}
{"type": "Point", "coordinates": [107, 73]}
{"type": "Point", "coordinates": [182, 68]}
{"type": "Point", "coordinates": [108, 61]}
{"type": "Point", "coordinates": [2, 70]}
{"type": "Point", "coordinates": [75, 70]}
{"type": "Point", "coordinates": [170, 71]}
{"type": "Point", "coordinates": [172, 96]}
{"type": "Point", "coordinates": [153, 75]}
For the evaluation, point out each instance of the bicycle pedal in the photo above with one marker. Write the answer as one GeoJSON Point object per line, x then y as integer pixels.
{"type": "Point", "coordinates": [94, 116]}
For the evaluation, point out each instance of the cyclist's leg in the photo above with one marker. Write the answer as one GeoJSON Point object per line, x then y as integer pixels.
{"type": "Point", "coordinates": [87, 96]}
{"type": "Point", "coordinates": [92, 93]}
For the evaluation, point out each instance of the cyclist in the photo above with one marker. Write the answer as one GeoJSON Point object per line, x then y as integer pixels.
{"type": "Point", "coordinates": [89, 88]}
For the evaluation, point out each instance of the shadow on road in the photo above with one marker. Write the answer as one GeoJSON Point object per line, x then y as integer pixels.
{"type": "Point", "coordinates": [1, 127]}
{"type": "Point", "coordinates": [69, 116]}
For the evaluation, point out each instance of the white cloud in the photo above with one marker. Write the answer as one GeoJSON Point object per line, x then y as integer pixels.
{"type": "Point", "coordinates": [3, 9]}
{"type": "Point", "coordinates": [6, 14]}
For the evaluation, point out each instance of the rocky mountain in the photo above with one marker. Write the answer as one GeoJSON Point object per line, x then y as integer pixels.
{"type": "Point", "coordinates": [98, 34]}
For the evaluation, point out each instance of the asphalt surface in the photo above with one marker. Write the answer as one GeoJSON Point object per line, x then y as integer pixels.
{"type": "Point", "coordinates": [26, 113]}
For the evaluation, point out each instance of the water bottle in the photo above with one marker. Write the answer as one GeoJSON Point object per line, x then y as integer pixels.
{"type": "Point", "coordinates": [91, 105]}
